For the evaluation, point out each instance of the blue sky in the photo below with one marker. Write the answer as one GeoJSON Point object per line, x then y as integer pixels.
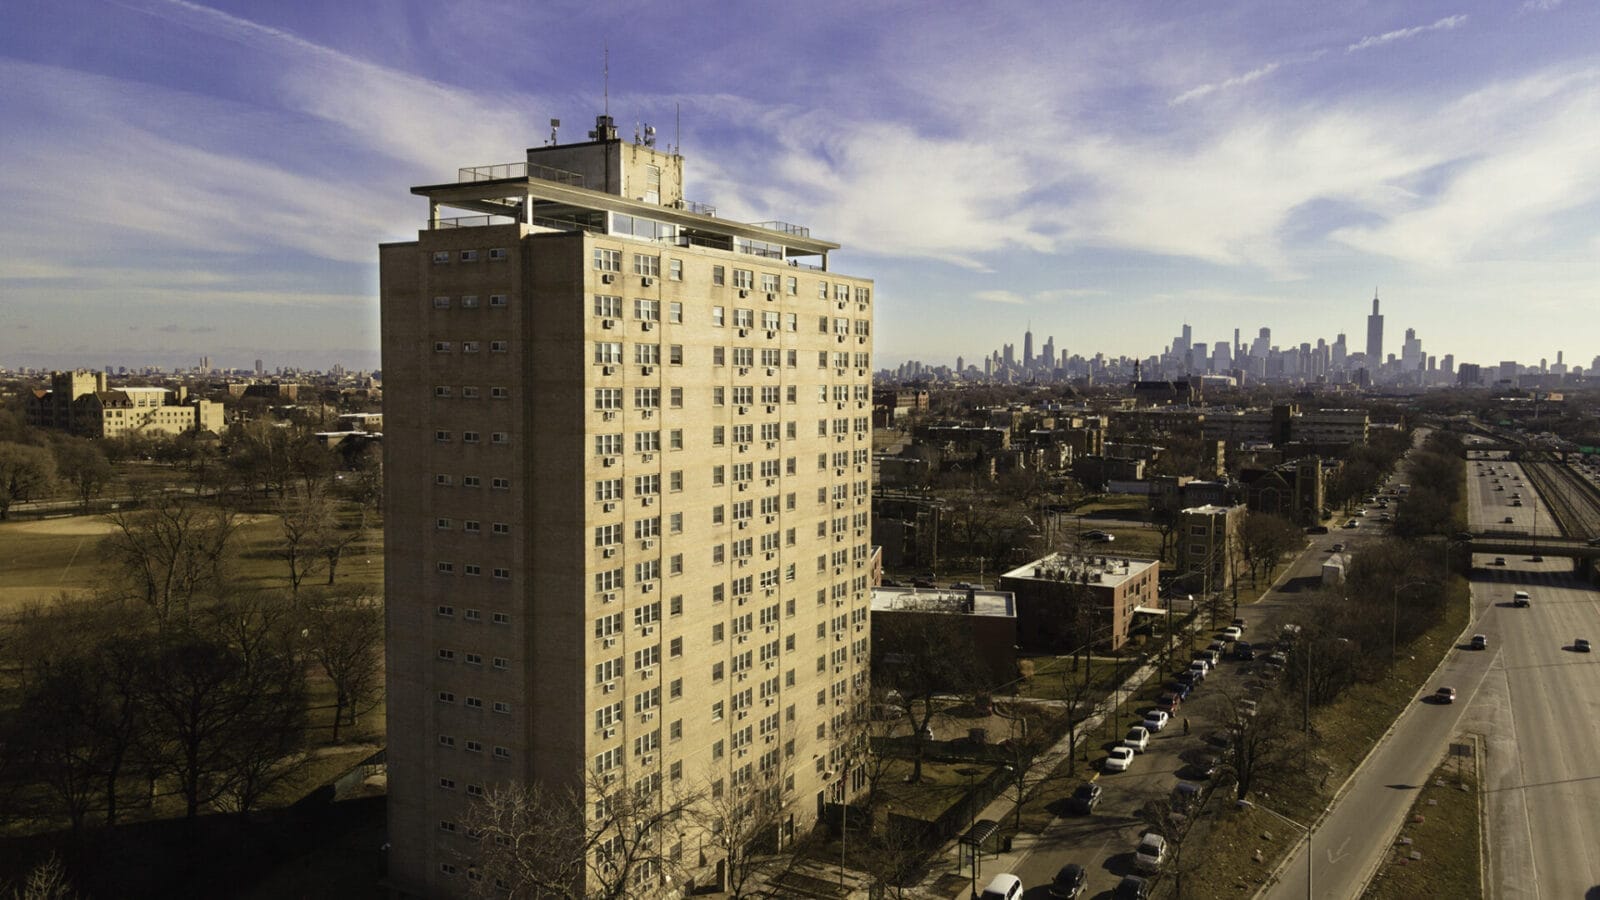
{"type": "Point", "coordinates": [186, 179]}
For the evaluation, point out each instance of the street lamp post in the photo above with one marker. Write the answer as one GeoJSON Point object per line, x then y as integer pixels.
{"type": "Point", "coordinates": [1394, 620]}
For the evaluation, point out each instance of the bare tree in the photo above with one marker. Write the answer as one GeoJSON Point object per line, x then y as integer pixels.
{"type": "Point", "coordinates": [747, 813]}
{"type": "Point", "coordinates": [1259, 742]}
{"type": "Point", "coordinates": [174, 550]}
{"type": "Point", "coordinates": [84, 466]}
{"type": "Point", "coordinates": [26, 472]}
{"type": "Point", "coordinates": [308, 528]}
{"type": "Point", "coordinates": [923, 657]}
{"type": "Point", "coordinates": [344, 634]}
{"type": "Point", "coordinates": [600, 841]}
{"type": "Point", "coordinates": [221, 724]}
{"type": "Point", "coordinates": [1263, 540]}
{"type": "Point", "coordinates": [47, 880]}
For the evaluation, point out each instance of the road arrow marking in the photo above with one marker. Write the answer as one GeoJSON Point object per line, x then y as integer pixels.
{"type": "Point", "coordinates": [1336, 855]}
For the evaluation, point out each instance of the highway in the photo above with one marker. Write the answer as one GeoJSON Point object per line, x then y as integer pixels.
{"type": "Point", "coordinates": [1533, 703]}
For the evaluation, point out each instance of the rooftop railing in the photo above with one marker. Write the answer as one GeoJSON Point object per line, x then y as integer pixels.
{"type": "Point", "coordinates": [785, 227]}
{"type": "Point", "coordinates": [503, 171]}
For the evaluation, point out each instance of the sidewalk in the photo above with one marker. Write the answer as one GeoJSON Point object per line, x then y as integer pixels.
{"type": "Point", "coordinates": [945, 867]}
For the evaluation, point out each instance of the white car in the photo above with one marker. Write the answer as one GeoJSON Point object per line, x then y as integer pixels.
{"type": "Point", "coordinates": [1138, 738]}
{"type": "Point", "coordinates": [1232, 633]}
{"type": "Point", "coordinates": [1119, 759]}
{"type": "Point", "coordinates": [1156, 719]}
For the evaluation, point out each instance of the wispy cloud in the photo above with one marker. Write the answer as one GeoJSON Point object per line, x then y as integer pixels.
{"type": "Point", "coordinates": [1539, 5]}
{"type": "Point", "coordinates": [1400, 34]}
{"type": "Point", "coordinates": [1195, 93]}
{"type": "Point", "coordinates": [1010, 298]}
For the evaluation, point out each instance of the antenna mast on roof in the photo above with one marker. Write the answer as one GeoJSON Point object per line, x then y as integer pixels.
{"type": "Point", "coordinates": [605, 78]}
{"type": "Point", "coordinates": [677, 129]}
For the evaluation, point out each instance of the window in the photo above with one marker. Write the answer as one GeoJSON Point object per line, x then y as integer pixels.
{"type": "Point", "coordinates": [675, 354]}
{"type": "Point", "coordinates": [497, 300]}
{"type": "Point", "coordinates": [675, 400]}
{"type": "Point", "coordinates": [469, 346]}
{"type": "Point", "coordinates": [717, 319]}
{"type": "Point", "coordinates": [441, 346]}
{"type": "Point", "coordinates": [469, 256]}
{"type": "Point", "coordinates": [719, 276]}
{"type": "Point", "coordinates": [499, 437]}
{"type": "Point", "coordinates": [647, 310]}
{"type": "Point", "coordinates": [500, 484]}
{"type": "Point", "coordinates": [469, 302]}
{"type": "Point", "coordinates": [608, 352]}
{"type": "Point", "coordinates": [607, 260]}
{"type": "Point", "coordinates": [647, 354]}
{"type": "Point", "coordinates": [675, 313]}
{"type": "Point", "coordinates": [494, 347]}
{"type": "Point", "coordinates": [648, 266]}
{"type": "Point", "coordinates": [743, 279]}
{"type": "Point", "coordinates": [441, 257]}
{"type": "Point", "coordinates": [608, 398]}
{"type": "Point", "coordinates": [675, 269]}
{"type": "Point", "coordinates": [441, 303]}
{"type": "Point", "coordinates": [499, 253]}
{"type": "Point", "coordinates": [607, 306]}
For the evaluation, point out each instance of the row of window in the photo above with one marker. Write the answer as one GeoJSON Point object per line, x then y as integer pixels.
{"type": "Point", "coordinates": [449, 698]}
{"type": "Point", "coordinates": [470, 392]}
{"type": "Point", "coordinates": [648, 265]}
{"type": "Point", "coordinates": [472, 615]}
{"type": "Point", "coordinates": [468, 301]}
{"type": "Point", "coordinates": [445, 436]}
{"type": "Point", "coordinates": [472, 481]}
{"type": "Point", "coordinates": [444, 257]}
{"type": "Point", "coordinates": [471, 570]}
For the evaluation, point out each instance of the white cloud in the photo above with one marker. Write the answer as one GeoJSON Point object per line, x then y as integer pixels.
{"type": "Point", "coordinates": [1196, 93]}
{"type": "Point", "coordinates": [1007, 297]}
{"type": "Point", "coordinates": [1540, 5]}
{"type": "Point", "coordinates": [1374, 40]}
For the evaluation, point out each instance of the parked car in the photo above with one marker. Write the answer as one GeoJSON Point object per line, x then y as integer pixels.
{"type": "Point", "coordinates": [1190, 677]}
{"type": "Point", "coordinates": [1243, 650]}
{"type": "Point", "coordinates": [1004, 886]}
{"type": "Point", "coordinates": [1232, 633]}
{"type": "Point", "coordinates": [1119, 759]}
{"type": "Point", "coordinates": [1352, 524]}
{"type": "Point", "coordinates": [1317, 529]}
{"type": "Point", "coordinates": [1520, 598]}
{"type": "Point", "coordinates": [1197, 671]}
{"type": "Point", "coordinates": [1156, 719]}
{"type": "Point", "coordinates": [1239, 624]}
{"type": "Point", "coordinates": [1200, 767]}
{"type": "Point", "coordinates": [1247, 707]}
{"type": "Point", "coordinates": [1507, 521]}
{"type": "Point", "coordinates": [1085, 798]}
{"type": "Point", "coordinates": [1499, 561]}
{"type": "Point", "coordinates": [1099, 537]}
{"type": "Point", "coordinates": [1069, 882]}
{"type": "Point", "coordinates": [1338, 547]}
{"type": "Point", "coordinates": [1480, 642]}
{"type": "Point", "coordinates": [1131, 887]}
{"type": "Point", "coordinates": [1444, 695]}
{"type": "Point", "coordinates": [1151, 853]}
{"type": "Point", "coordinates": [1168, 703]}
{"type": "Point", "coordinates": [1217, 647]}
{"type": "Point", "coordinates": [1581, 645]}
{"type": "Point", "coordinates": [1138, 737]}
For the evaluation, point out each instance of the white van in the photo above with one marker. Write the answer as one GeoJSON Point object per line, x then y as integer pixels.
{"type": "Point", "coordinates": [1003, 887]}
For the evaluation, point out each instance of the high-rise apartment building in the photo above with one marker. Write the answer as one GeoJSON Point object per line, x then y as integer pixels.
{"type": "Point", "coordinates": [627, 457]}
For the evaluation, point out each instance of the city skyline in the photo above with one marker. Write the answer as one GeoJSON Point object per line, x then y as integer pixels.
{"type": "Point", "coordinates": [1102, 174]}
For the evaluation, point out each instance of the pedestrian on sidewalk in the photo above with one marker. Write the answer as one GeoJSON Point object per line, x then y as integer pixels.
{"type": "Point", "coordinates": [1185, 726]}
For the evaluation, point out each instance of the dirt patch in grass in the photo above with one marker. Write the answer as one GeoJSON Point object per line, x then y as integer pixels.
{"type": "Point", "coordinates": [1437, 853]}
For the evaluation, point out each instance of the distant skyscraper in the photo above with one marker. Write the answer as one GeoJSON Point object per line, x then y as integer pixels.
{"type": "Point", "coordinates": [1374, 333]}
{"type": "Point", "coordinates": [258, 368]}
{"type": "Point", "coordinates": [1027, 347]}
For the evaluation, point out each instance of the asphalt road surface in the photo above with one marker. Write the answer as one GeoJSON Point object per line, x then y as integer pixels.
{"type": "Point", "coordinates": [1534, 703]}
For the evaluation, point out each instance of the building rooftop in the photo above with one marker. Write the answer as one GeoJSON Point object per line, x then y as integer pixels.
{"type": "Point", "coordinates": [984, 603]}
{"type": "Point", "coordinates": [1108, 571]}
{"type": "Point", "coordinates": [1210, 509]}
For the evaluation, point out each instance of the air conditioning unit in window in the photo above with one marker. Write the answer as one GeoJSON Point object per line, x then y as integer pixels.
{"type": "Point", "coordinates": [771, 408]}
{"type": "Point", "coordinates": [608, 597]}
{"type": "Point", "coordinates": [771, 334]}
{"type": "Point", "coordinates": [838, 471]}
{"type": "Point", "coordinates": [649, 544]}
{"type": "Point", "coordinates": [861, 626]}
{"type": "Point", "coordinates": [842, 338]}
{"type": "Point", "coordinates": [609, 552]}
{"type": "Point", "coordinates": [608, 323]}
{"type": "Point", "coordinates": [743, 524]}
{"type": "Point", "coordinates": [771, 370]}
{"type": "Point", "coordinates": [647, 326]}
{"type": "Point", "coordinates": [841, 304]}
{"type": "Point", "coordinates": [743, 292]}
{"type": "Point", "coordinates": [647, 587]}
{"type": "Point", "coordinates": [772, 554]}
{"type": "Point", "coordinates": [609, 733]}
{"type": "Point", "coordinates": [862, 339]}
{"type": "Point", "coordinates": [608, 507]}
{"type": "Point", "coordinates": [771, 295]}
{"type": "Point", "coordinates": [769, 628]}
{"type": "Point", "coordinates": [771, 519]}
{"type": "Point", "coordinates": [772, 482]}
{"type": "Point", "coordinates": [608, 370]}
{"type": "Point", "coordinates": [744, 370]}
{"type": "Point", "coordinates": [647, 673]}
{"type": "Point", "coordinates": [609, 642]}
{"type": "Point", "coordinates": [647, 281]}
{"type": "Point", "coordinates": [647, 370]}
{"type": "Point", "coordinates": [772, 445]}
{"type": "Point", "coordinates": [744, 638]}
{"type": "Point", "coordinates": [607, 278]}
{"type": "Point", "coordinates": [744, 714]}
{"type": "Point", "coordinates": [648, 457]}
{"type": "Point", "coordinates": [769, 701]}
{"type": "Point", "coordinates": [744, 448]}
{"type": "Point", "coordinates": [744, 332]}
{"type": "Point", "coordinates": [647, 501]}
{"type": "Point", "coordinates": [647, 717]}
{"type": "Point", "coordinates": [648, 759]}
{"type": "Point", "coordinates": [744, 485]}
{"type": "Point", "coordinates": [609, 415]}
{"type": "Point", "coordinates": [744, 410]}
{"type": "Point", "coordinates": [608, 687]}
{"type": "Point", "coordinates": [647, 413]}
{"type": "Point", "coordinates": [838, 570]}
{"type": "Point", "coordinates": [608, 461]}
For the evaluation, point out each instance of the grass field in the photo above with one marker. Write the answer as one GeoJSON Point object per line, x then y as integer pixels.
{"type": "Point", "coordinates": [41, 559]}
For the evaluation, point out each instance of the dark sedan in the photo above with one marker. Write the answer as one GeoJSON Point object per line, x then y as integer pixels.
{"type": "Point", "coordinates": [1131, 887]}
{"type": "Point", "coordinates": [1069, 883]}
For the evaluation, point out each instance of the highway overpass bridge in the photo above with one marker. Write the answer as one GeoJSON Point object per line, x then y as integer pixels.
{"type": "Point", "coordinates": [1583, 553]}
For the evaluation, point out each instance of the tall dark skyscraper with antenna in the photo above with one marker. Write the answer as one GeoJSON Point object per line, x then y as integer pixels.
{"type": "Point", "coordinates": [1374, 336]}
